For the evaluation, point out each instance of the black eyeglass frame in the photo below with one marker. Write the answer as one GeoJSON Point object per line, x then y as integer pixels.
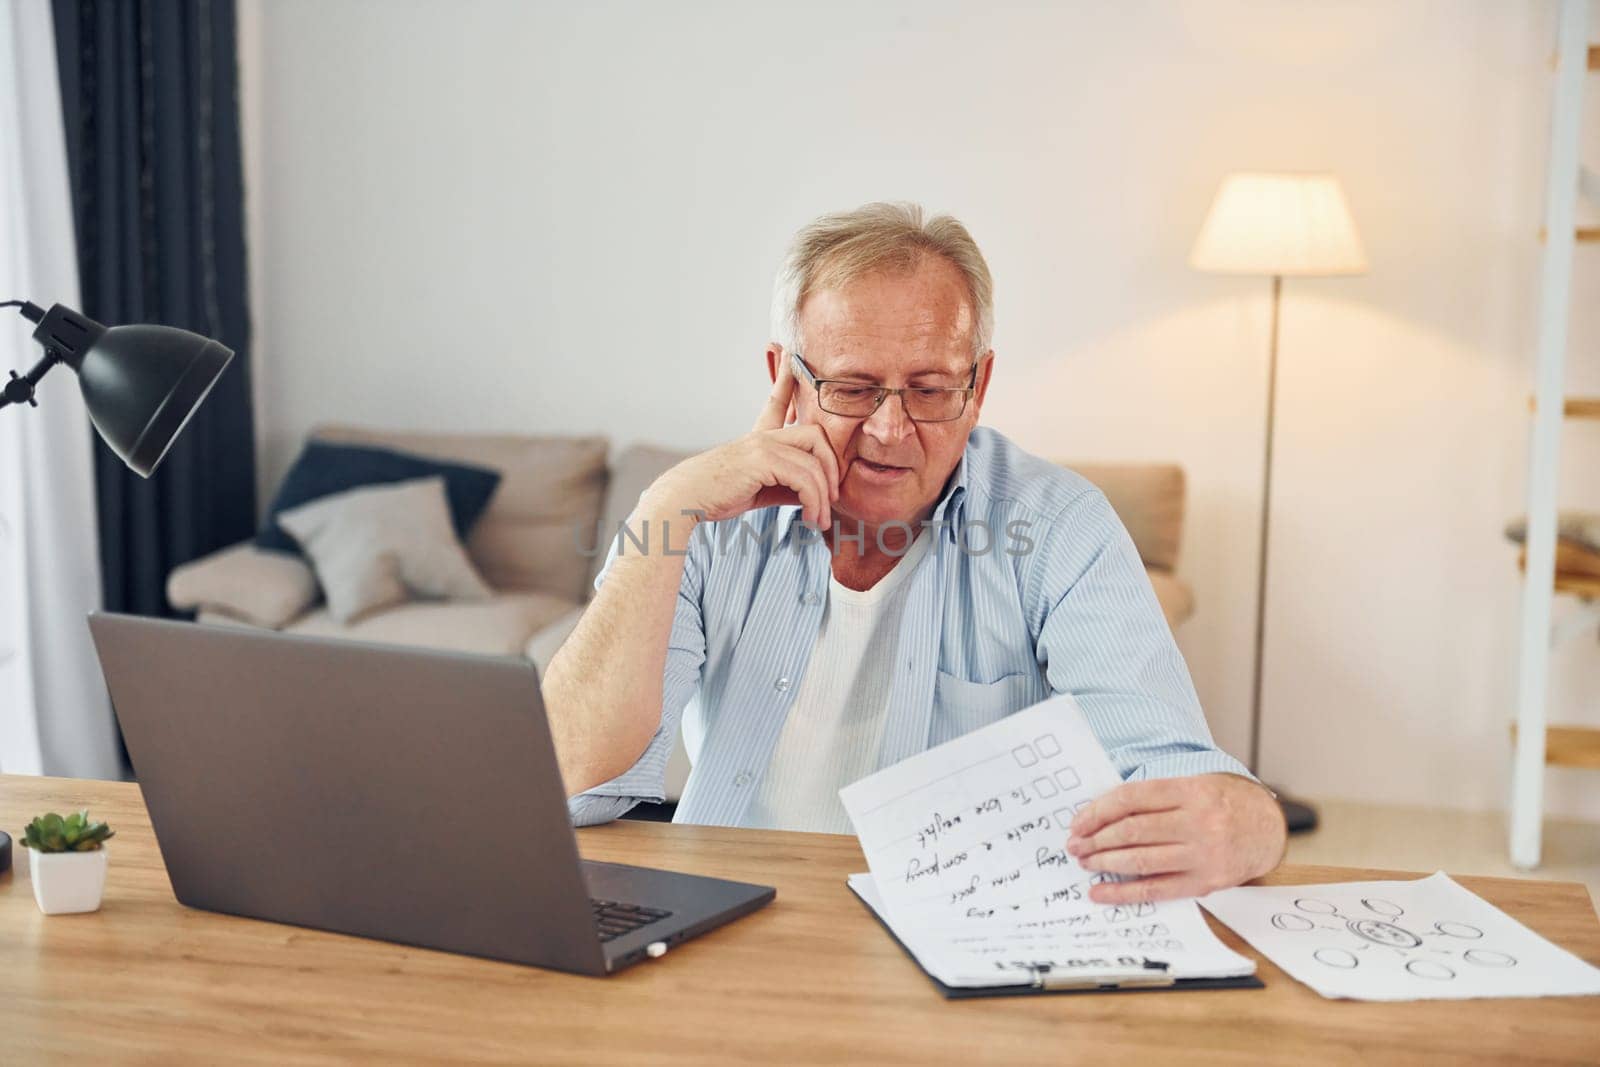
{"type": "Point", "coordinates": [884, 392]}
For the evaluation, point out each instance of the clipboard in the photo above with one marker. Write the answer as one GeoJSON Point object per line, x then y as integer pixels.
{"type": "Point", "coordinates": [1043, 984]}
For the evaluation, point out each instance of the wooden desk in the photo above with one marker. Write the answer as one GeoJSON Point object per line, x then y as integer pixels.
{"type": "Point", "coordinates": [810, 978]}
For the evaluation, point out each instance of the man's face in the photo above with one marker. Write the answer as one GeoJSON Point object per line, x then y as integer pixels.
{"type": "Point", "coordinates": [892, 330]}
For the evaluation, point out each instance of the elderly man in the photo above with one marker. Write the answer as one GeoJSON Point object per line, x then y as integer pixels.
{"type": "Point", "coordinates": [868, 573]}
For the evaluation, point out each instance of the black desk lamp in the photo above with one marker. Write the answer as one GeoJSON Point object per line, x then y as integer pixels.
{"type": "Point", "coordinates": [141, 385]}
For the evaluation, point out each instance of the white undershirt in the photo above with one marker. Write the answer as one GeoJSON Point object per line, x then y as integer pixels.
{"type": "Point", "coordinates": [834, 731]}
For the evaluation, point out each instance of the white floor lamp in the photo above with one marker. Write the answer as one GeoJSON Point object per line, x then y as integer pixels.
{"type": "Point", "coordinates": [1277, 224]}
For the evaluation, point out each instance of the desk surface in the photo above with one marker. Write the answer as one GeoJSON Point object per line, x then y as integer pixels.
{"type": "Point", "coordinates": [811, 977]}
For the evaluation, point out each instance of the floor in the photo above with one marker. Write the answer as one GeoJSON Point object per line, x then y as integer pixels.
{"type": "Point", "coordinates": [1431, 839]}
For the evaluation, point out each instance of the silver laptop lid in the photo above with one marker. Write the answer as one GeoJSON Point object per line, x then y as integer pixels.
{"type": "Point", "coordinates": [404, 794]}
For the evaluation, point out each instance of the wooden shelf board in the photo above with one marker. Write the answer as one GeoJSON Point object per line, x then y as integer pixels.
{"type": "Point", "coordinates": [1583, 585]}
{"type": "Point", "coordinates": [1569, 746]}
{"type": "Point", "coordinates": [1572, 562]}
{"type": "Point", "coordinates": [1576, 407]}
{"type": "Point", "coordinates": [1594, 57]}
{"type": "Point", "coordinates": [1582, 234]}
{"type": "Point", "coordinates": [1579, 582]}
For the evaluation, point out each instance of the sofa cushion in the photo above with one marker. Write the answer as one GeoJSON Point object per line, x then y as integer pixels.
{"type": "Point", "coordinates": [246, 583]}
{"type": "Point", "coordinates": [1177, 599]}
{"type": "Point", "coordinates": [499, 626]}
{"type": "Point", "coordinates": [532, 534]}
{"type": "Point", "coordinates": [323, 469]}
{"type": "Point", "coordinates": [1148, 498]}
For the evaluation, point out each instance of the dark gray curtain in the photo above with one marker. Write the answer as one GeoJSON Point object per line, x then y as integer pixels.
{"type": "Point", "coordinates": [150, 94]}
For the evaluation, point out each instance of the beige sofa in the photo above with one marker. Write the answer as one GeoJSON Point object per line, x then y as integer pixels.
{"type": "Point", "coordinates": [555, 497]}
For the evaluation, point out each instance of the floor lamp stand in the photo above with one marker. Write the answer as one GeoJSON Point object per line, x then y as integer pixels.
{"type": "Point", "coordinates": [1300, 816]}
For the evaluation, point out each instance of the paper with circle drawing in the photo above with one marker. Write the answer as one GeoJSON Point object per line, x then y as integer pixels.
{"type": "Point", "coordinates": [967, 848]}
{"type": "Point", "coordinates": [1425, 939]}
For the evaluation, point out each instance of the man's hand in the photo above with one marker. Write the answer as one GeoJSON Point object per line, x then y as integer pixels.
{"type": "Point", "coordinates": [1180, 837]}
{"type": "Point", "coordinates": [775, 463]}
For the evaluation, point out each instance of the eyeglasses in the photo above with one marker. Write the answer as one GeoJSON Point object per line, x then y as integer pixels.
{"type": "Point", "coordinates": [857, 400]}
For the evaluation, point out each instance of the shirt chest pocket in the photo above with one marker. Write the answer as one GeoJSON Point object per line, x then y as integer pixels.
{"type": "Point", "coordinates": [960, 706]}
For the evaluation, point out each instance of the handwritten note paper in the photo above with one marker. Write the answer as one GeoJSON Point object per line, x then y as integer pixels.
{"type": "Point", "coordinates": [1429, 938]}
{"type": "Point", "coordinates": [966, 843]}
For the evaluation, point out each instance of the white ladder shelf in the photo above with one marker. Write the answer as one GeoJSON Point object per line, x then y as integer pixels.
{"type": "Point", "coordinates": [1534, 744]}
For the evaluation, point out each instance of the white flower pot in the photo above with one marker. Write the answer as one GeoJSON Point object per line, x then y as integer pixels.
{"type": "Point", "coordinates": [65, 883]}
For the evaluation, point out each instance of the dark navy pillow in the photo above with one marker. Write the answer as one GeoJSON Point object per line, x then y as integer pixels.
{"type": "Point", "coordinates": [323, 469]}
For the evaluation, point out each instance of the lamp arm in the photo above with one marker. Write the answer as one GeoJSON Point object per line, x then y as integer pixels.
{"type": "Point", "coordinates": [20, 390]}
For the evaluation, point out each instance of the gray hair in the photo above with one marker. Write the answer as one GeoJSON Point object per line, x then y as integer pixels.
{"type": "Point", "coordinates": [836, 249]}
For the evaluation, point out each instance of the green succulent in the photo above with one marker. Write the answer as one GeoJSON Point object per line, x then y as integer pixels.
{"type": "Point", "coordinates": [75, 833]}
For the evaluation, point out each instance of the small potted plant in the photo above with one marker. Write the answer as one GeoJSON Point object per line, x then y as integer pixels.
{"type": "Point", "coordinates": [68, 862]}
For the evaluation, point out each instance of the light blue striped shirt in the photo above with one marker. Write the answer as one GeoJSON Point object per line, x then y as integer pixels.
{"type": "Point", "coordinates": [1033, 587]}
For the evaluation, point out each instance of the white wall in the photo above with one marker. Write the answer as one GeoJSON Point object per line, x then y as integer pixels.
{"type": "Point", "coordinates": [564, 218]}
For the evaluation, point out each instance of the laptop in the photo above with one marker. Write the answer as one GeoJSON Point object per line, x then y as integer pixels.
{"type": "Point", "coordinates": [395, 793]}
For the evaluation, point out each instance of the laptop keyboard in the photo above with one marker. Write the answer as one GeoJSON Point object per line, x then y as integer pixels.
{"type": "Point", "coordinates": [613, 919]}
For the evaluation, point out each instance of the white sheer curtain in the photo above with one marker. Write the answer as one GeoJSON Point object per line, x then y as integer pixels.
{"type": "Point", "coordinates": [54, 716]}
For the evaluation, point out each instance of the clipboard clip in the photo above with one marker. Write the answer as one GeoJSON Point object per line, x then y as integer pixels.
{"type": "Point", "coordinates": [1151, 974]}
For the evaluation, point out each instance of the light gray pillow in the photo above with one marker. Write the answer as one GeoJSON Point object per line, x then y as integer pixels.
{"type": "Point", "coordinates": [381, 544]}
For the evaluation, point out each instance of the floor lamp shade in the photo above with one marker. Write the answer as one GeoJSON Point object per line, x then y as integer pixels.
{"type": "Point", "coordinates": [1262, 223]}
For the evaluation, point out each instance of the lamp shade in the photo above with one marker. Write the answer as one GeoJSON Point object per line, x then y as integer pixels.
{"type": "Point", "coordinates": [1265, 223]}
{"type": "Point", "coordinates": [140, 383]}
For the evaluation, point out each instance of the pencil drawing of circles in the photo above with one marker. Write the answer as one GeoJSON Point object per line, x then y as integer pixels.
{"type": "Point", "coordinates": [1484, 957]}
{"type": "Point", "coordinates": [1430, 969]}
{"type": "Point", "coordinates": [1455, 929]}
{"type": "Point", "coordinates": [1293, 923]}
{"type": "Point", "coordinates": [1378, 906]}
{"type": "Point", "coordinates": [1382, 933]}
{"type": "Point", "coordinates": [1336, 957]}
{"type": "Point", "coordinates": [1315, 906]}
